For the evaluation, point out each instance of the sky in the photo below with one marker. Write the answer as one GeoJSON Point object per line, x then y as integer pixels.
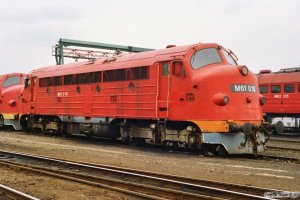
{"type": "Point", "coordinates": [264, 34]}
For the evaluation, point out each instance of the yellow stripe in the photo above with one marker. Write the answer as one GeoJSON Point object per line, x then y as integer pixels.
{"type": "Point", "coordinates": [10, 116]}
{"type": "Point", "coordinates": [219, 126]}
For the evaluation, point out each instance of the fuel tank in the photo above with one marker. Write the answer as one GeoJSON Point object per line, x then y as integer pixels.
{"type": "Point", "coordinates": [99, 130]}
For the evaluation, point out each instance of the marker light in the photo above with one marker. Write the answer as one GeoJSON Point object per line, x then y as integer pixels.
{"type": "Point", "coordinates": [248, 99]}
{"type": "Point", "coordinates": [12, 103]}
{"type": "Point", "coordinates": [262, 100]}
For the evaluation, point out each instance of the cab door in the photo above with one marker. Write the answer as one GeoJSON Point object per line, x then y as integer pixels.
{"type": "Point", "coordinates": [1, 101]}
{"type": "Point", "coordinates": [180, 92]}
{"type": "Point", "coordinates": [163, 89]}
{"type": "Point", "coordinates": [28, 95]}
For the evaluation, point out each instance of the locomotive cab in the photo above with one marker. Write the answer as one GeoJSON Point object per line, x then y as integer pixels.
{"type": "Point", "coordinates": [227, 105]}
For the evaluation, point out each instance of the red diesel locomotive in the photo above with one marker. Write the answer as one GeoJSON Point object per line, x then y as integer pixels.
{"type": "Point", "coordinates": [282, 90]}
{"type": "Point", "coordinates": [194, 96]}
{"type": "Point", "coordinates": [11, 87]}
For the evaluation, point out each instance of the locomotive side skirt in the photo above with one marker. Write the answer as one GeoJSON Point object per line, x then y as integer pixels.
{"type": "Point", "coordinates": [236, 143]}
{"type": "Point", "coordinates": [11, 119]}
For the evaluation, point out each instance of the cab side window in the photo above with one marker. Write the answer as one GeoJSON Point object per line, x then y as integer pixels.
{"type": "Point", "coordinates": [178, 69]}
{"type": "Point", "coordinates": [165, 71]}
{"type": "Point", "coordinates": [27, 83]}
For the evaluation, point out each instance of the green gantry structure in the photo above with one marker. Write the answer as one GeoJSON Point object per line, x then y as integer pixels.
{"type": "Point", "coordinates": [59, 49]}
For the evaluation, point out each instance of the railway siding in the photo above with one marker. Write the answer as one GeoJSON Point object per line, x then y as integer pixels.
{"type": "Point", "coordinates": [266, 172]}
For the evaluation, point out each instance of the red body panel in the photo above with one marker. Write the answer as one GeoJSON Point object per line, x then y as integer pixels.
{"type": "Point", "coordinates": [282, 102]}
{"type": "Point", "coordinates": [186, 97]}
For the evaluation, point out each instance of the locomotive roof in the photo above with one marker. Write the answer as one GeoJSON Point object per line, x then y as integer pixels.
{"type": "Point", "coordinates": [122, 61]}
{"type": "Point", "coordinates": [279, 77]}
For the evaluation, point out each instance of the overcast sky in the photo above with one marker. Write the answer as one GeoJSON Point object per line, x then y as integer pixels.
{"type": "Point", "coordinates": [264, 34]}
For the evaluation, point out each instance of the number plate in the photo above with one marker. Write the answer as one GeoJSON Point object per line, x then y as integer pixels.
{"type": "Point", "coordinates": [243, 88]}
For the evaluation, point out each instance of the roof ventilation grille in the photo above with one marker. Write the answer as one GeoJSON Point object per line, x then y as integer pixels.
{"type": "Point", "coordinates": [294, 69]}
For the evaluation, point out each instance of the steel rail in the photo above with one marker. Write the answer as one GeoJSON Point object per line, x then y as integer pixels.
{"type": "Point", "coordinates": [284, 140]}
{"type": "Point", "coordinates": [229, 186]}
{"type": "Point", "coordinates": [169, 182]}
{"type": "Point", "coordinates": [10, 193]}
{"type": "Point", "coordinates": [283, 148]}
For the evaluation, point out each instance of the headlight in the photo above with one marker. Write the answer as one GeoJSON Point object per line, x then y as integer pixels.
{"type": "Point", "coordinates": [226, 100]}
{"type": "Point", "coordinates": [244, 70]}
{"type": "Point", "coordinates": [220, 99]}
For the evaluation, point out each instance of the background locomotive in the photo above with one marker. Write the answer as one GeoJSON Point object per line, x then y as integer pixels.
{"type": "Point", "coordinates": [11, 87]}
{"type": "Point", "coordinates": [193, 95]}
{"type": "Point", "coordinates": [282, 90]}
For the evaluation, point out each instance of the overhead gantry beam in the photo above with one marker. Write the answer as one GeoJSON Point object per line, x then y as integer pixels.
{"type": "Point", "coordinates": [58, 50]}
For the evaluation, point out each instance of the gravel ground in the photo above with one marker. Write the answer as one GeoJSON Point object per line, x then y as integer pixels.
{"type": "Point", "coordinates": [45, 187]}
{"type": "Point", "coordinates": [247, 171]}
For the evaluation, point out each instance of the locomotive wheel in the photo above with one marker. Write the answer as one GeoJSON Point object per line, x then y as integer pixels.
{"type": "Point", "coordinates": [221, 151]}
{"type": "Point", "coordinates": [125, 137]}
{"type": "Point", "coordinates": [279, 127]}
{"type": "Point", "coordinates": [136, 142]}
{"type": "Point", "coordinates": [1, 121]}
{"type": "Point", "coordinates": [64, 131]}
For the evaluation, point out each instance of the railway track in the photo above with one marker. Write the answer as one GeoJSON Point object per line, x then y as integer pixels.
{"type": "Point", "coordinates": [282, 148]}
{"type": "Point", "coordinates": [10, 193]}
{"type": "Point", "coordinates": [284, 144]}
{"type": "Point", "coordinates": [144, 184]}
{"type": "Point", "coordinates": [288, 141]}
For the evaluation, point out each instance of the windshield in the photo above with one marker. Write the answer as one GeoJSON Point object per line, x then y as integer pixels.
{"type": "Point", "coordinates": [205, 57]}
{"type": "Point", "coordinates": [13, 80]}
{"type": "Point", "coordinates": [228, 57]}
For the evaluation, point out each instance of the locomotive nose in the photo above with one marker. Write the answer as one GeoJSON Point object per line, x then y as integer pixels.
{"type": "Point", "coordinates": [231, 91]}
